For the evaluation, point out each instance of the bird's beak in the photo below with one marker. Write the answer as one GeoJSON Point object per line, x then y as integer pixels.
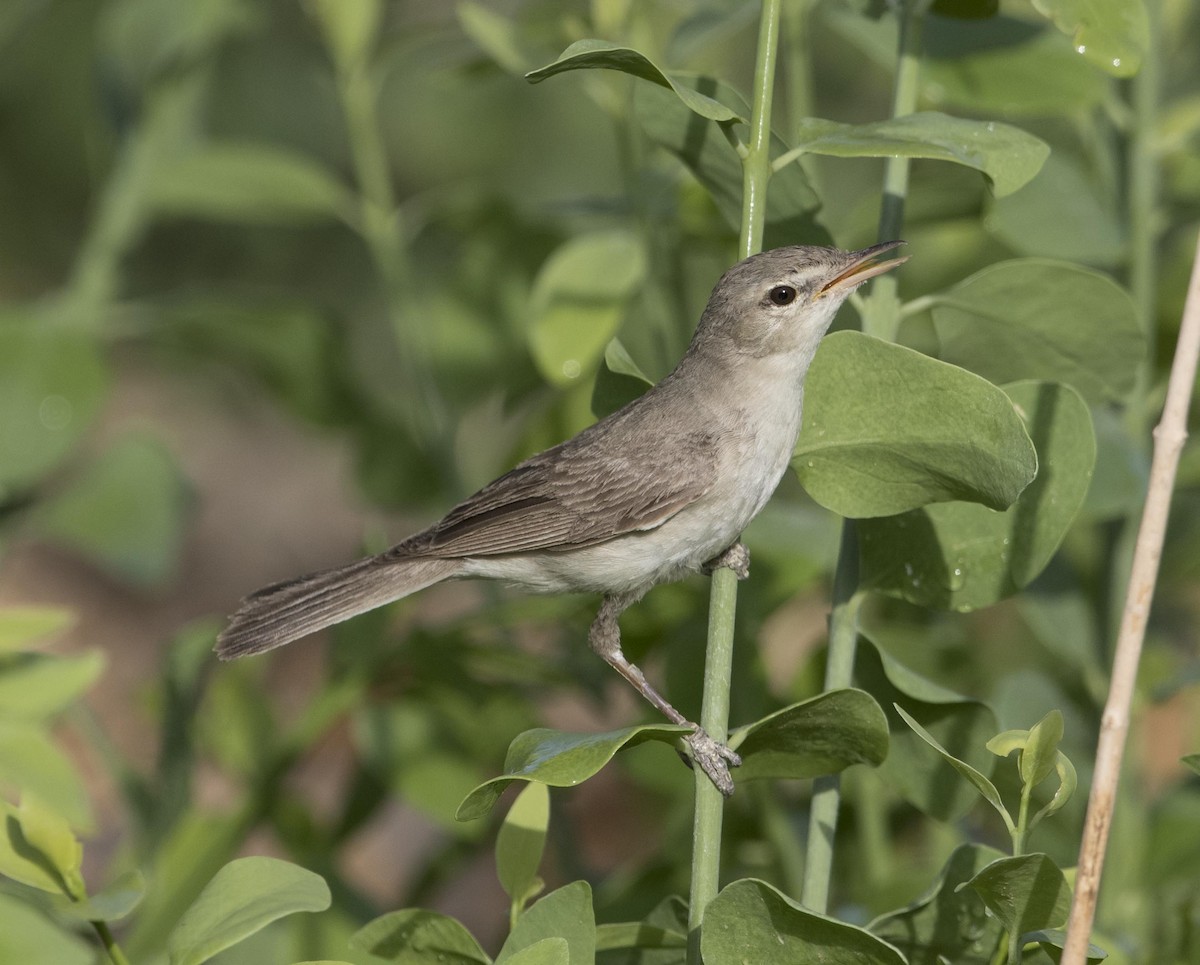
{"type": "Point", "coordinates": [862, 267]}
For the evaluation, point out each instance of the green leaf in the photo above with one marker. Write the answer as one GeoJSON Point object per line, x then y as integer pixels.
{"type": "Point", "coordinates": [590, 54]}
{"type": "Point", "coordinates": [548, 951]}
{"type": "Point", "coordinates": [1052, 941]}
{"type": "Point", "coordinates": [1068, 780]}
{"type": "Point", "coordinates": [962, 556]}
{"type": "Point", "coordinates": [36, 686]}
{"type": "Point", "coordinates": [51, 385]}
{"type": "Point", "coordinates": [560, 759]}
{"type": "Point", "coordinates": [249, 184]}
{"type": "Point", "coordinates": [1031, 318]}
{"type": "Point", "coordinates": [1192, 761]}
{"type": "Point", "coordinates": [126, 511]}
{"type": "Point", "coordinates": [243, 897]}
{"type": "Point", "coordinates": [418, 937]}
{"type": "Point", "coordinates": [659, 939]}
{"type": "Point", "coordinates": [706, 152]}
{"type": "Point", "coordinates": [21, 860]}
{"type": "Point", "coordinates": [749, 921]}
{"type": "Point", "coordinates": [1040, 752]}
{"type": "Point", "coordinates": [566, 914]}
{"type": "Point", "coordinates": [1114, 35]}
{"type": "Point", "coordinates": [887, 429]}
{"type": "Point", "coordinates": [1006, 155]}
{"type": "Point", "coordinates": [30, 760]}
{"type": "Point", "coordinates": [578, 301]}
{"type": "Point", "coordinates": [29, 936]}
{"type": "Point", "coordinates": [620, 380]}
{"type": "Point", "coordinates": [823, 735]}
{"type": "Point", "coordinates": [350, 28]}
{"type": "Point", "coordinates": [946, 923]}
{"type": "Point", "coordinates": [51, 835]}
{"type": "Point", "coordinates": [637, 934]}
{"type": "Point", "coordinates": [21, 625]}
{"type": "Point", "coordinates": [973, 776]}
{"type": "Point", "coordinates": [960, 724]}
{"type": "Point", "coordinates": [521, 841]}
{"type": "Point", "coordinates": [112, 904]}
{"type": "Point", "coordinates": [1026, 893]}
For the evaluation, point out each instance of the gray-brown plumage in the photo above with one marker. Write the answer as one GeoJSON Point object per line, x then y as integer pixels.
{"type": "Point", "coordinates": [654, 491]}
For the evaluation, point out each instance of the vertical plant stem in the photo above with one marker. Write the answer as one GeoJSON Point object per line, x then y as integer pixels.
{"type": "Point", "coordinates": [839, 669]}
{"type": "Point", "coordinates": [1169, 437]}
{"type": "Point", "coordinates": [880, 317]}
{"type": "Point", "coordinates": [111, 948]}
{"type": "Point", "coordinates": [718, 659]}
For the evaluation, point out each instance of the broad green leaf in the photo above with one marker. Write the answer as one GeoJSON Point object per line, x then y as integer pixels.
{"type": "Point", "coordinates": [659, 939]}
{"type": "Point", "coordinates": [945, 923]}
{"type": "Point", "coordinates": [620, 380]}
{"type": "Point", "coordinates": [35, 686]}
{"type": "Point", "coordinates": [32, 761]}
{"type": "Point", "coordinates": [111, 904]}
{"type": "Point", "coordinates": [579, 299]}
{"type": "Point", "coordinates": [1068, 780]}
{"type": "Point", "coordinates": [1064, 212]}
{"type": "Point", "coordinates": [51, 835]}
{"type": "Point", "coordinates": [51, 385]}
{"type": "Point", "coordinates": [126, 511]}
{"type": "Point", "coordinates": [1112, 34]}
{"type": "Point", "coordinates": [960, 724]}
{"type": "Point", "coordinates": [749, 921]}
{"type": "Point", "coordinates": [1192, 761]}
{"type": "Point", "coordinates": [29, 936]}
{"type": "Point", "coordinates": [1026, 893]}
{"type": "Point", "coordinates": [249, 184]}
{"type": "Point", "coordinates": [1052, 941]}
{"type": "Point", "coordinates": [962, 556]}
{"type": "Point", "coordinates": [21, 625]}
{"type": "Point", "coordinates": [243, 897]}
{"type": "Point", "coordinates": [560, 759]}
{"type": "Point", "coordinates": [521, 840]}
{"type": "Point", "coordinates": [1006, 155]}
{"type": "Point", "coordinates": [548, 951]}
{"type": "Point", "coordinates": [973, 776]}
{"type": "Point", "coordinates": [566, 914]}
{"type": "Point", "coordinates": [823, 735]}
{"type": "Point", "coordinates": [1031, 318]}
{"type": "Point", "coordinates": [350, 28]}
{"type": "Point", "coordinates": [706, 152]}
{"type": "Point", "coordinates": [637, 934]}
{"type": "Point", "coordinates": [21, 860]}
{"type": "Point", "coordinates": [591, 54]}
{"type": "Point", "coordinates": [887, 429]}
{"type": "Point", "coordinates": [418, 937]}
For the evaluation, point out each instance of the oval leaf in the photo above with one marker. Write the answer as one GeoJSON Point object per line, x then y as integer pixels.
{"type": "Point", "coordinates": [560, 759]}
{"type": "Point", "coordinates": [248, 183]}
{"type": "Point", "coordinates": [1026, 893]}
{"type": "Point", "coordinates": [522, 839]}
{"type": "Point", "coordinates": [1112, 34]}
{"type": "Point", "coordinates": [579, 299]}
{"type": "Point", "coordinates": [961, 556]}
{"type": "Point", "coordinates": [23, 861]}
{"type": "Point", "coordinates": [415, 936]}
{"type": "Point", "coordinates": [749, 921]}
{"type": "Point", "coordinates": [565, 914]}
{"type": "Point", "coordinates": [1035, 319]}
{"type": "Point", "coordinates": [1006, 155]}
{"type": "Point", "coordinates": [35, 686]}
{"type": "Point", "coordinates": [590, 54]}
{"type": "Point", "coordinates": [887, 429]}
{"type": "Point", "coordinates": [30, 760]}
{"type": "Point", "coordinates": [243, 897]}
{"type": "Point", "coordinates": [823, 735]}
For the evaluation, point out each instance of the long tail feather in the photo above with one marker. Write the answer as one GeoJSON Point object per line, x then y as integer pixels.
{"type": "Point", "coordinates": [284, 612]}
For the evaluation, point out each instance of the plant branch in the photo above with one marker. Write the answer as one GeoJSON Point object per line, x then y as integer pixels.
{"type": "Point", "coordinates": [1169, 437]}
{"type": "Point", "coordinates": [718, 658]}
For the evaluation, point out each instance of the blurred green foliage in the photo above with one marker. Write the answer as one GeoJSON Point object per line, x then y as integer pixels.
{"type": "Point", "coordinates": [360, 213]}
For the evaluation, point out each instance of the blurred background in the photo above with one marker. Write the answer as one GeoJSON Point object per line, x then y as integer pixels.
{"type": "Point", "coordinates": [281, 281]}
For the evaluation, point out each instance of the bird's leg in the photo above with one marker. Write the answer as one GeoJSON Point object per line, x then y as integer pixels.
{"type": "Point", "coordinates": [737, 558]}
{"type": "Point", "coordinates": [604, 637]}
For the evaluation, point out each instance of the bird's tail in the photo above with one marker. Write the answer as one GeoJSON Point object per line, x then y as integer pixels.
{"type": "Point", "coordinates": [284, 612]}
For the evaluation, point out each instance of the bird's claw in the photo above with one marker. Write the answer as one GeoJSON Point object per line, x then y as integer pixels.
{"type": "Point", "coordinates": [714, 759]}
{"type": "Point", "coordinates": [736, 558]}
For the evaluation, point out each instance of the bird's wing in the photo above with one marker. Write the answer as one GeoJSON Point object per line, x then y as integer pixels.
{"type": "Point", "coordinates": [576, 494]}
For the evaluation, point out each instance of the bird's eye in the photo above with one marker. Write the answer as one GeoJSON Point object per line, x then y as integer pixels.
{"type": "Point", "coordinates": [782, 294]}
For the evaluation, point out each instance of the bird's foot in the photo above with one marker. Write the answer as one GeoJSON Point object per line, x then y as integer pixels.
{"type": "Point", "coordinates": [714, 759]}
{"type": "Point", "coordinates": [737, 558]}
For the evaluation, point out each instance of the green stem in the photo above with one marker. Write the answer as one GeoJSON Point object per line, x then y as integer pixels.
{"type": "Point", "coordinates": [839, 670]}
{"type": "Point", "coordinates": [718, 666]}
{"type": "Point", "coordinates": [115, 955]}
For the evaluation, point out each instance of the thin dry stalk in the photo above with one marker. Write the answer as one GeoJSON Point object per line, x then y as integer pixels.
{"type": "Point", "coordinates": [1169, 437]}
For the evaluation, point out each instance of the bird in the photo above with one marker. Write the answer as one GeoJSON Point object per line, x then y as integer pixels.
{"type": "Point", "coordinates": [657, 490]}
